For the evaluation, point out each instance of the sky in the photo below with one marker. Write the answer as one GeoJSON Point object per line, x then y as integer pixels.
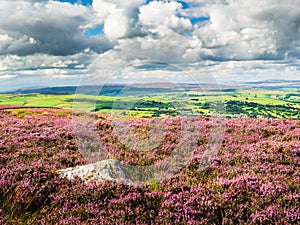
{"type": "Point", "coordinates": [75, 42]}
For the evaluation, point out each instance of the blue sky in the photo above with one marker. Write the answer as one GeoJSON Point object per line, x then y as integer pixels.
{"type": "Point", "coordinates": [98, 30]}
{"type": "Point", "coordinates": [55, 43]}
{"type": "Point", "coordinates": [83, 2]}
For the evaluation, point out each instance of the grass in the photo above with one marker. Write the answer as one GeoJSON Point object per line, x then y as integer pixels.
{"type": "Point", "coordinates": [37, 100]}
{"type": "Point", "coordinates": [268, 103]}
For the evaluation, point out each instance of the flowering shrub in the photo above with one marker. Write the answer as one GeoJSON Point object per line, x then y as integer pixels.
{"type": "Point", "coordinates": [254, 179]}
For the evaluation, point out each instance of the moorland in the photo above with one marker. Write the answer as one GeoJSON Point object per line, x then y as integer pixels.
{"type": "Point", "coordinates": [254, 179]}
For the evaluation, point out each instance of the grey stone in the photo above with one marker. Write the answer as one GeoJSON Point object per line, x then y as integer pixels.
{"type": "Point", "coordinates": [109, 169]}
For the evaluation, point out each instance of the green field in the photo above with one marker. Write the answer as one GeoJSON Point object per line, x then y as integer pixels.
{"type": "Point", "coordinates": [229, 103]}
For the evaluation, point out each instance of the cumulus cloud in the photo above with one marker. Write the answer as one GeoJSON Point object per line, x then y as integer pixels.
{"type": "Point", "coordinates": [46, 38]}
{"type": "Point", "coordinates": [42, 70]}
{"type": "Point", "coordinates": [46, 27]}
{"type": "Point", "coordinates": [120, 17]}
{"type": "Point", "coordinates": [16, 64]}
{"type": "Point", "coordinates": [164, 14]}
{"type": "Point", "coordinates": [247, 29]}
{"type": "Point", "coordinates": [236, 30]}
{"type": "Point", "coordinates": [173, 51]}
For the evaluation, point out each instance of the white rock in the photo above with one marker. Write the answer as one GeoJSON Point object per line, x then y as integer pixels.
{"type": "Point", "coordinates": [109, 169]}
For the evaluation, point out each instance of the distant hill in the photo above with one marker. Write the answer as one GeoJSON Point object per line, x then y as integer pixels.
{"type": "Point", "coordinates": [275, 84]}
{"type": "Point", "coordinates": [118, 89]}
{"type": "Point", "coordinates": [149, 88]}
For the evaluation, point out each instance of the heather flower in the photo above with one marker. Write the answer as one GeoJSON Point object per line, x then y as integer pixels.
{"type": "Point", "coordinates": [253, 180]}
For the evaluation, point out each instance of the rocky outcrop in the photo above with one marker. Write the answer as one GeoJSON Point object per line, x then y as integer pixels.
{"type": "Point", "coordinates": [109, 169]}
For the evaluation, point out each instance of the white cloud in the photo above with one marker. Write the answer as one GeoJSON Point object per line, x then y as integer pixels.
{"type": "Point", "coordinates": [120, 17]}
{"type": "Point", "coordinates": [103, 8]}
{"type": "Point", "coordinates": [116, 26]}
{"type": "Point", "coordinates": [247, 29]}
{"type": "Point", "coordinates": [43, 39]}
{"type": "Point", "coordinates": [47, 27]}
{"type": "Point", "coordinates": [127, 4]}
{"type": "Point", "coordinates": [7, 77]}
{"type": "Point", "coordinates": [165, 14]}
{"type": "Point", "coordinates": [39, 62]}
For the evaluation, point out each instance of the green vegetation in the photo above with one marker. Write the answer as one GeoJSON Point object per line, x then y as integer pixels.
{"type": "Point", "coordinates": [250, 103]}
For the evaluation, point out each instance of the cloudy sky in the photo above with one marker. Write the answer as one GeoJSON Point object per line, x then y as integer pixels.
{"type": "Point", "coordinates": [56, 43]}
